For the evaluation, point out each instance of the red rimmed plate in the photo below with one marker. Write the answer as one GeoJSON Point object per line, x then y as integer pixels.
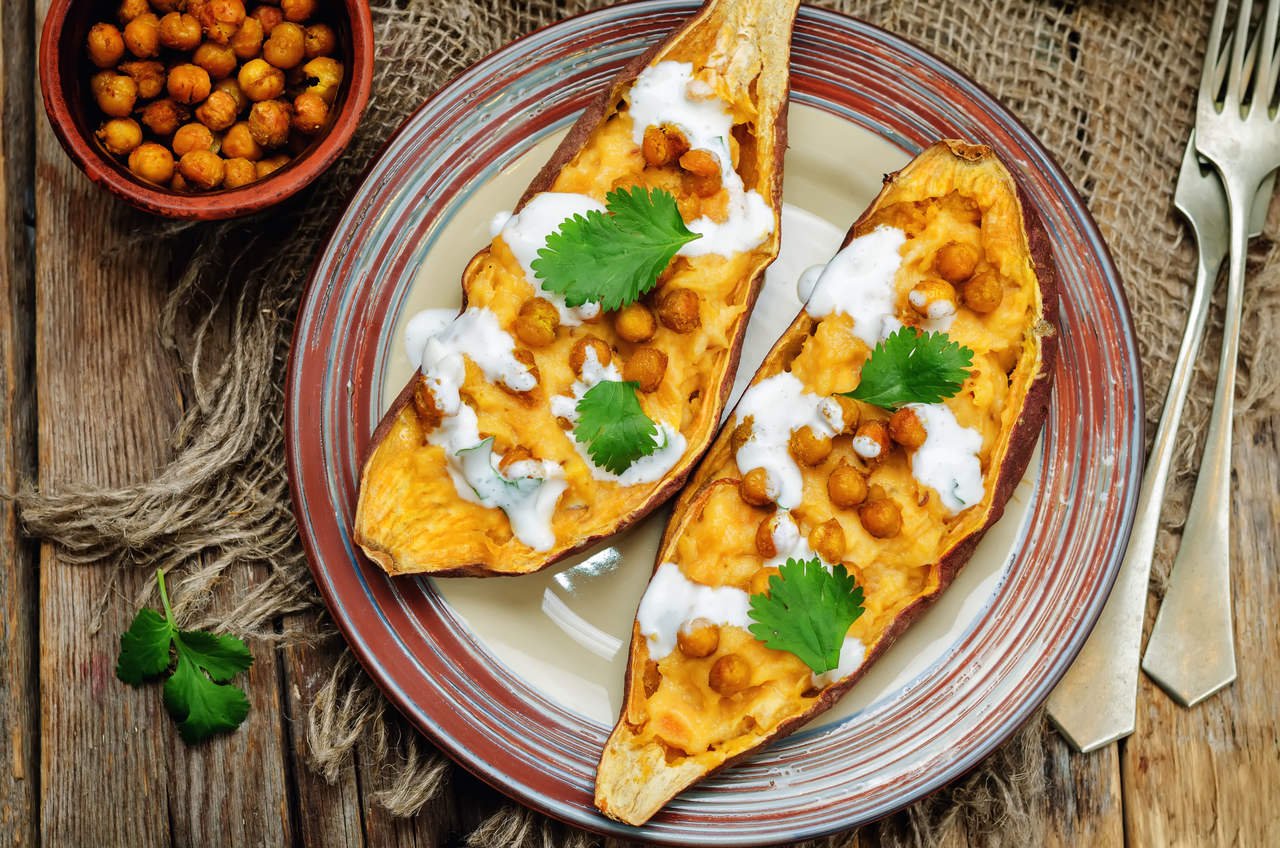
{"type": "Point", "coordinates": [517, 678]}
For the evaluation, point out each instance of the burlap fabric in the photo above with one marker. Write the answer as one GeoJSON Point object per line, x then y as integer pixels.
{"type": "Point", "coordinates": [1108, 86]}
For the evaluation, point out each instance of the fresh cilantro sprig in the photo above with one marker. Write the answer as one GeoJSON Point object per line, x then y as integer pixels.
{"type": "Point", "coordinates": [613, 426]}
{"type": "Point", "coordinates": [613, 258]}
{"type": "Point", "coordinates": [910, 368]}
{"type": "Point", "coordinates": [197, 693]}
{"type": "Point", "coordinates": [807, 611]}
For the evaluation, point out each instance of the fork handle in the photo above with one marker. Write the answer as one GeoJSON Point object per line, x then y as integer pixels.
{"type": "Point", "coordinates": [1191, 652]}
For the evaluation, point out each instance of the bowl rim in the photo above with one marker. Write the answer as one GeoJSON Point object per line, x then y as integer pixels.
{"type": "Point", "coordinates": [228, 203]}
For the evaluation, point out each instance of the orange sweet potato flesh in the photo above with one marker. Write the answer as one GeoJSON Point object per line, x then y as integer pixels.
{"type": "Point", "coordinates": [409, 517]}
{"type": "Point", "coordinates": [952, 192]}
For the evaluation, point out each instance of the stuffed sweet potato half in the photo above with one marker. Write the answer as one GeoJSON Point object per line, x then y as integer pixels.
{"type": "Point", "coordinates": [602, 325]}
{"type": "Point", "coordinates": [880, 438]}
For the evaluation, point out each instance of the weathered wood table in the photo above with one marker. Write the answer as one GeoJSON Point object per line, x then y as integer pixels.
{"type": "Point", "coordinates": [88, 394]}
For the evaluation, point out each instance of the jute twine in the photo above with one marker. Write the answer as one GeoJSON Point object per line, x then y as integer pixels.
{"type": "Point", "coordinates": [1108, 87]}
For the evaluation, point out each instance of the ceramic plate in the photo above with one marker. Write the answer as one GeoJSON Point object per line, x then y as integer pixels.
{"type": "Point", "coordinates": [519, 679]}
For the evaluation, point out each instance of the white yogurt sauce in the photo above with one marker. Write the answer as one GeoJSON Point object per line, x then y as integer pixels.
{"type": "Point", "coordinates": [852, 652]}
{"type": "Point", "coordinates": [948, 460]}
{"type": "Point", "coordinates": [661, 95]}
{"type": "Point", "coordinates": [858, 282]}
{"type": "Point", "coordinates": [422, 327]}
{"type": "Point", "coordinates": [526, 233]}
{"type": "Point", "coordinates": [938, 314]}
{"type": "Point", "coordinates": [672, 600]}
{"type": "Point", "coordinates": [778, 406]}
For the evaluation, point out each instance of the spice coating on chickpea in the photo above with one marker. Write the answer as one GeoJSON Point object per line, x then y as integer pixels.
{"type": "Point", "coordinates": [698, 638]}
{"type": "Point", "coordinates": [765, 546]}
{"type": "Point", "coordinates": [537, 322]}
{"type": "Point", "coordinates": [148, 76]}
{"type": "Point", "coordinates": [120, 135]}
{"type": "Point", "coordinates": [297, 10]}
{"type": "Point", "coordinates": [163, 117]}
{"type": "Point", "coordinates": [203, 169]}
{"type": "Point", "coordinates": [871, 441]}
{"type": "Point", "coordinates": [846, 486]}
{"type": "Point", "coordinates": [760, 581]}
{"type": "Point", "coordinates": [142, 36]}
{"type": "Point", "coordinates": [130, 9]}
{"type": "Point", "coordinates": [191, 137]}
{"type": "Point", "coordinates": [218, 60]}
{"type": "Point", "coordinates": [310, 113]}
{"type": "Point", "coordinates": [232, 87]}
{"type": "Point", "coordinates": [956, 261]}
{"type": "Point", "coordinates": [850, 413]}
{"type": "Point", "coordinates": [932, 298]}
{"type": "Point", "coordinates": [259, 80]}
{"type": "Point", "coordinates": [881, 518]}
{"type": "Point", "coordinates": [327, 75]}
{"type": "Point", "coordinates": [635, 323]}
{"type": "Point", "coordinates": [809, 448]}
{"type": "Point", "coordinates": [114, 93]}
{"type": "Point", "coordinates": [269, 123]}
{"type": "Point", "coordinates": [647, 366]}
{"type": "Point", "coordinates": [320, 40]}
{"type": "Point", "coordinates": [180, 31]}
{"type": "Point", "coordinates": [906, 429]}
{"type": "Point", "coordinates": [269, 16]}
{"type": "Point", "coordinates": [152, 162]}
{"type": "Point", "coordinates": [678, 310]}
{"type": "Point", "coordinates": [829, 541]}
{"type": "Point", "coordinates": [267, 167]}
{"type": "Point", "coordinates": [247, 42]}
{"type": "Point", "coordinates": [729, 675]}
{"type": "Point", "coordinates": [106, 45]}
{"type": "Point", "coordinates": [578, 354]}
{"type": "Point", "coordinates": [755, 488]}
{"type": "Point", "coordinates": [239, 172]}
{"type": "Point", "coordinates": [189, 84]}
{"type": "Point", "coordinates": [983, 293]}
{"type": "Point", "coordinates": [218, 113]}
{"type": "Point", "coordinates": [663, 145]}
{"type": "Point", "coordinates": [238, 143]}
{"type": "Point", "coordinates": [286, 46]}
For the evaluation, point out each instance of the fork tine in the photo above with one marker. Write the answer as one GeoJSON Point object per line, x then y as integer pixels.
{"type": "Point", "coordinates": [1209, 87]}
{"type": "Point", "coordinates": [1236, 81]}
{"type": "Point", "coordinates": [1267, 84]}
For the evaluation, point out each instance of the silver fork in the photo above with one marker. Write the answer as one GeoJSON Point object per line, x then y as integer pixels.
{"type": "Point", "coordinates": [1191, 653]}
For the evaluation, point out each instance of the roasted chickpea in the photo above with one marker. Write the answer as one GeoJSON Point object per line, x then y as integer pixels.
{"type": "Point", "coordinates": [120, 135]}
{"type": "Point", "coordinates": [906, 428]}
{"type": "Point", "coordinates": [846, 486]}
{"type": "Point", "coordinates": [259, 80]}
{"type": "Point", "coordinates": [678, 310]}
{"type": "Point", "coordinates": [220, 18]}
{"type": "Point", "coordinates": [269, 123]}
{"type": "Point", "coordinates": [701, 163]}
{"type": "Point", "coordinates": [430, 415]}
{"type": "Point", "coordinates": [238, 143]}
{"type": "Point", "coordinates": [768, 531]}
{"type": "Point", "coordinates": [177, 183]}
{"type": "Point", "coordinates": [106, 45]}
{"type": "Point", "coordinates": [219, 60]}
{"type": "Point", "coordinates": [310, 113]}
{"type": "Point", "coordinates": [663, 145]}
{"type": "Point", "coordinates": [932, 298]}
{"type": "Point", "coordinates": [983, 293]}
{"type": "Point", "coordinates": [881, 518]}
{"type": "Point", "coordinates": [189, 84]}
{"type": "Point", "coordinates": [152, 162]}
{"type": "Point", "coordinates": [647, 366]}
{"type": "Point", "coordinates": [871, 441]}
{"type": "Point", "coordinates": [297, 10]}
{"type": "Point", "coordinates": [578, 354]}
{"type": "Point", "coordinates": [828, 540]}
{"type": "Point", "coordinates": [760, 581]}
{"type": "Point", "coordinates": [268, 16]}
{"type": "Point", "coordinates": [142, 36]}
{"type": "Point", "coordinates": [525, 358]}
{"type": "Point", "coordinates": [956, 261]}
{"type": "Point", "coordinates": [698, 638]}
{"type": "Point", "coordinates": [267, 167]}
{"type": "Point", "coordinates": [163, 117]}
{"type": "Point", "coordinates": [232, 87]}
{"type": "Point", "coordinates": [115, 93]}
{"type": "Point", "coordinates": [240, 172]}
{"type": "Point", "coordinates": [320, 40]}
{"type": "Point", "coordinates": [635, 323]}
{"type": "Point", "coordinates": [327, 75]}
{"type": "Point", "coordinates": [203, 169]}
{"type": "Point", "coordinates": [537, 322]}
{"type": "Point", "coordinates": [191, 137]}
{"type": "Point", "coordinates": [757, 489]}
{"type": "Point", "coordinates": [247, 42]}
{"type": "Point", "coordinates": [217, 113]}
{"type": "Point", "coordinates": [149, 77]}
{"type": "Point", "coordinates": [130, 9]}
{"type": "Point", "coordinates": [850, 412]}
{"type": "Point", "coordinates": [179, 31]}
{"type": "Point", "coordinates": [741, 434]}
{"type": "Point", "coordinates": [517, 453]}
{"type": "Point", "coordinates": [652, 678]}
{"type": "Point", "coordinates": [162, 7]}
{"type": "Point", "coordinates": [730, 674]}
{"type": "Point", "coordinates": [808, 447]}
{"type": "Point", "coordinates": [285, 47]}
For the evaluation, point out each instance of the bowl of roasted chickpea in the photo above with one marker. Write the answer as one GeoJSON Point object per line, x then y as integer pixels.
{"type": "Point", "coordinates": [205, 109]}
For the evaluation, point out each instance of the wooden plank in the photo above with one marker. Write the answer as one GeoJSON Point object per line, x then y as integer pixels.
{"type": "Point", "coordinates": [1207, 776]}
{"type": "Point", "coordinates": [19, 743]}
{"type": "Point", "coordinates": [1082, 801]}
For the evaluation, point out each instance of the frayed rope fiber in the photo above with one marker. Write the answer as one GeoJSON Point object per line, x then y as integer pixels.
{"type": "Point", "coordinates": [1078, 73]}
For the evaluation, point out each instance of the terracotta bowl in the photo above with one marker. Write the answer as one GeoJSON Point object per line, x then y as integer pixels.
{"type": "Point", "coordinates": [64, 80]}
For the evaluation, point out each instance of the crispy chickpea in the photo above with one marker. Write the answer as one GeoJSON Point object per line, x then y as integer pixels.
{"type": "Point", "coordinates": [269, 166]}
{"type": "Point", "coordinates": [191, 137]}
{"type": "Point", "coordinates": [635, 323]}
{"type": "Point", "coordinates": [285, 48]}
{"type": "Point", "coordinates": [189, 84]}
{"type": "Point", "coordinates": [240, 172]}
{"type": "Point", "coordinates": [663, 145]}
{"type": "Point", "coordinates": [106, 45]}
{"type": "Point", "coordinates": [698, 638]}
{"type": "Point", "coordinates": [120, 135]}
{"type": "Point", "coordinates": [218, 113]}
{"type": "Point", "coordinates": [320, 40]}
{"type": "Point", "coordinates": [741, 434]}
{"type": "Point", "coordinates": [525, 358]}
{"type": "Point", "coordinates": [269, 16]}
{"type": "Point", "coordinates": [769, 530]}
{"type": "Point", "coordinates": [115, 93]}
{"type": "Point", "coordinates": [327, 73]}
{"type": "Point", "coordinates": [678, 310]}
{"type": "Point", "coordinates": [149, 77]}
{"type": "Point", "coordinates": [730, 674]}
{"type": "Point", "coordinates": [430, 415]}
{"type": "Point", "coordinates": [757, 489]}
{"type": "Point", "coordinates": [247, 42]}
{"type": "Point", "coordinates": [518, 453]}
{"type": "Point", "coordinates": [260, 81]}
{"type": "Point", "coordinates": [130, 9]}
{"type": "Point", "coordinates": [881, 518]}
{"type": "Point", "coordinates": [238, 143]}
{"type": "Point", "coordinates": [152, 162]}
{"type": "Point", "coordinates": [310, 113]}
{"type": "Point", "coordinates": [850, 412]}
{"type": "Point", "coordinates": [220, 18]}
{"type": "Point", "coordinates": [652, 678]}
{"type": "Point", "coordinates": [932, 298]}
{"type": "Point", "coordinates": [956, 261]}
{"type": "Point", "coordinates": [760, 581]}
{"type": "Point", "coordinates": [269, 123]}
{"type": "Point", "coordinates": [166, 6]}
{"type": "Point", "coordinates": [232, 87]}
{"type": "Point", "coordinates": [163, 117]}
{"type": "Point", "coordinates": [537, 322]}
{"type": "Point", "coordinates": [828, 540]}
{"type": "Point", "coordinates": [906, 428]}
{"type": "Point", "coordinates": [846, 486]}
{"type": "Point", "coordinates": [179, 31]}
{"type": "Point", "coordinates": [203, 169]}
{"type": "Point", "coordinates": [142, 36]}
{"type": "Point", "coordinates": [871, 440]}
{"type": "Point", "coordinates": [983, 293]}
{"type": "Point", "coordinates": [297, 10]}
{"type": "Point", "coordinates": [700, 163]}
{"type": "Point", "coordinates": [219, 60]}
{"type": "Point", "coordinates": [808, 447]}
{"type": "Point", "coordinates": [647, 366]}
{"type": "Point", "coordinates": [178, 183]}
{"type": "Point", "coordinates": [578, 354]}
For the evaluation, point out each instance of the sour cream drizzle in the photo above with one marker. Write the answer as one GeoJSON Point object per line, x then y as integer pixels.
{"type": "Point", "coordinates": [660, 96]}
{"type": "Point", "coordinates": [526, 233]}
{"type": "Point", "coordinates": [948, 460]}
{"type": "Point", "coordinates": [858, 282]}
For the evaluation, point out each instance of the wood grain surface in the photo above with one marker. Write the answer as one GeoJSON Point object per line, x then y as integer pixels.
{"type": "Point", "coordinates": [87, 394]}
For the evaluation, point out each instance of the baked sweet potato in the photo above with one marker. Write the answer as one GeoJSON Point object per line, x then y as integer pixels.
{"type": "Point", "coordinates": [480, 467]}
{"type": "Point", "coordinates": [898, 499]}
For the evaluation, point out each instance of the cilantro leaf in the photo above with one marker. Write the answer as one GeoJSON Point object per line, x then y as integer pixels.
{"type": "Point", "coordinates": [910, 368]}
{"type": "Point", "coordinates": [613, 425]}
{"type": "Point", "coordinates": [614, 258]}
{"type": "Point", "coordinates": [196, 694]}
{"type": "Point", "coordinates": [807, 612]}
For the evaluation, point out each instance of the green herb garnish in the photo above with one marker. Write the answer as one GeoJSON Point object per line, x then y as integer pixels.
{"type": "Point", "coordinates": [613, 425]}
{"type": "Point", "coordinates": [613, 258]}
{"type": "Point", "coordinates": [807, 612]}
{"type": "Point", "coordinates": [197, 693]}
{"type": "Point", "coordinates": [910, 368]}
